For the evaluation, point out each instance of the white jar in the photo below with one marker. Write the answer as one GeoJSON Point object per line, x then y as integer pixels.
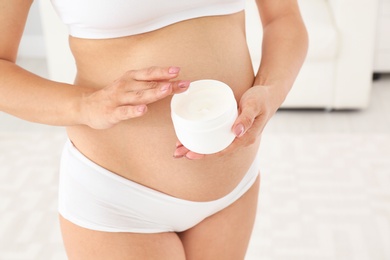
{"type": "Point", "coordinates": [203, 116]}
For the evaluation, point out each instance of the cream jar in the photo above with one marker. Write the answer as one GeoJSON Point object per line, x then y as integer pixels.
{"type": "Point", "coordinates": [203, 116]}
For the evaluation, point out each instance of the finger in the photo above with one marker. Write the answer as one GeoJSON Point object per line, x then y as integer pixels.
{"type": "Point", "coordinates": [180, 86]}
{"type": "Point", "coordinates": [245, 119]}
{"type": "Point", "coordinates": [180, 152]}
{"type": "Point", "coordinates": [194, 156]}
{"type": "Point", "coordinates": [129, 86]}
{"type": "Point", "coordinates": [126, 112]}
{"type": "Point", "coordinates": [154, 73]}
{"type": "Point", "coordinates": [152, 92]}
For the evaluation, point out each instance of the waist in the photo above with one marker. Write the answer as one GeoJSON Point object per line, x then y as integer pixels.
{"type": "Point", "coordinates": [141, 149]}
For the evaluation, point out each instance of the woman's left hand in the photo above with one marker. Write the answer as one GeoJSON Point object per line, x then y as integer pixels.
{"type": "Point", "coordinates": [256, 107]}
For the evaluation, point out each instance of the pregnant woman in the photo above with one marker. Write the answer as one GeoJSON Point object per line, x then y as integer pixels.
{"type": "Point", "coordinates": [128, 189]}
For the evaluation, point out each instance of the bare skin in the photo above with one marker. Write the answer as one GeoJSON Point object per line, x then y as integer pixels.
{"type": "Point", "coordinates": [152, 135]}
{"type": "Point", "coordinates": [117, 114]}
{"type": "Point", "coordinates": [224, 235]}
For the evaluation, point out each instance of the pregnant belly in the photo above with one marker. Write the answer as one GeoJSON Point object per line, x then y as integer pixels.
{"type": "Point", "coordinates": [141, 149]}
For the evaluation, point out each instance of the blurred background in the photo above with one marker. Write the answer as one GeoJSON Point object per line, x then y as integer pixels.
{"type": "Point", "coordinates": [325, 155]}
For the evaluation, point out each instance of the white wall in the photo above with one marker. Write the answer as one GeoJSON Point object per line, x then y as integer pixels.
{"type": "Point", "coordinates": [32, 44]}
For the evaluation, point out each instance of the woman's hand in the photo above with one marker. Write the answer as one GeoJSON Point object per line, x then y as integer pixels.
{"type": "Point", "coordinates": [128, 96]}
{"type": "Point", "coordinates": [256, 107]}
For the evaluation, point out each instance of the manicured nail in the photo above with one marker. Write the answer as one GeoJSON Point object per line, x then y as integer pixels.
{"type": "Point", "coordinates": [141, 109]}
{"type": "Point", "coordinates": [188, 158]}
{"type": "Point", "coordinates": [173, 70]}
{"type": "Point", "coordinates": [165, 87]}
{"type": "Point", "coordinates": [239, 130]}
{"type": "Point", "coordinates": [184, 84]}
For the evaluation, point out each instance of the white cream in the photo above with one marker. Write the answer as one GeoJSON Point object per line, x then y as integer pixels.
{"type": "Point", "coordinates": [200, 104]}
{"type": "Point", "coordinates": [203, 116]}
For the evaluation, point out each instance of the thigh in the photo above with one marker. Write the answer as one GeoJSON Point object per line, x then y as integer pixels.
{"type": "Point", "coordinates": [226, 234]}
{"type": "Point", "coordinates": [85, 244]}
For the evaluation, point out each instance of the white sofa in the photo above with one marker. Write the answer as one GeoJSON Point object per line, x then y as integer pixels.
{"type": "Point", "coordinates": [336, 75]}
{"type": "Point", "coordinates": [61, 66]}
{"type": "Point", "coordinates": [382, 50]}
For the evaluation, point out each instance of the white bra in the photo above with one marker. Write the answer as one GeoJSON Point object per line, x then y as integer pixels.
{"type": "Point", "coordinates": [100, 19]}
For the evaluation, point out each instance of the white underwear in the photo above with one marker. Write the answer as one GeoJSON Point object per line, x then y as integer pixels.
{"type": "Point", "coordinates": [95, 198]}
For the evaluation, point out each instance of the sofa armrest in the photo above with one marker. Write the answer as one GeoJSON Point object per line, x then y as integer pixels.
{"type": "Point", "coordinates": [356, 24]}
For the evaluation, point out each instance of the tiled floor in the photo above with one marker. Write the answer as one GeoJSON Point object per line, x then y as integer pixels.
{"type": "Point", "coordinates": [325, 191]}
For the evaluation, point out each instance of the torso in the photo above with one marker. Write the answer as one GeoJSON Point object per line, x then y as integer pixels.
{"type": "Point", "coordinates": [141, 149]}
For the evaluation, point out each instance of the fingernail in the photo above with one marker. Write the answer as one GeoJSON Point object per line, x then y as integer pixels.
{"type": "Point", "coordinates": [178, 156]}
{"type": "Point", "coordinates": [173, 70]}
{"type": "Point", "coordinates": [184, 84]}
{"type": "Point", "coordinates": [165, 87]}
{"type": "Point", "coordinates": [239, 130]}
{"type": "Point", "coordinates": [141, 109]}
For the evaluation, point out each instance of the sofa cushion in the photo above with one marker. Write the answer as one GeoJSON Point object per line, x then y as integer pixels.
{"type": "Point", "coordinates": [323, 36]}
{"type": "Point", "coordinates": [320, 24]}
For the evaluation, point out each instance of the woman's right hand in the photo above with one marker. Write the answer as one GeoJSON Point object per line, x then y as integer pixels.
{"type": "Point", "coordinates": [128, 96]}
